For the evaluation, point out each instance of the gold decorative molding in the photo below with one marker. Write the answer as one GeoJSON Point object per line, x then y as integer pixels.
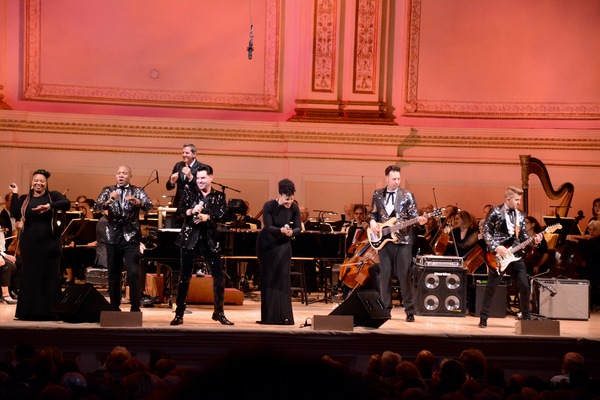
{"type": "Point", "coordinates": [35, 89]}
{"type": "Point", "coordinates": [16, 123]}
{"type": "Point", "coordinates": [414, 106]}
{"type": "Point", "coordinates": [324, 45]}
{"type": "Point", "coordinates": [366, 46]}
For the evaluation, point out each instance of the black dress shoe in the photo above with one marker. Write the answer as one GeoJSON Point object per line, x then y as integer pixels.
{"type": "Point", "coordinates": [410, 317]}
{"type": "Point", "coordinates": [220, 316]}
{"type": "Point", "coordinates": [177, 320]}
{"type": "Point", "coordinates": [482, 322]}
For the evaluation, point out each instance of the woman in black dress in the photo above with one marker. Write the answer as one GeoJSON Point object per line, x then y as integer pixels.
{"type": "Point", "coordinates": [40, 245]}
{"type": "Point", "coordinates": [281, 221]}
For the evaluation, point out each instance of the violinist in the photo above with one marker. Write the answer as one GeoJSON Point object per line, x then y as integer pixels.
{"type": "Point", "coordinates": [357, 233]}
{"type": "Point", "coordinates": [536, 258]}
{"type": "Point", "coordinates": [595, 212]}
{"type": "Point", "coordinates": [590, 248]}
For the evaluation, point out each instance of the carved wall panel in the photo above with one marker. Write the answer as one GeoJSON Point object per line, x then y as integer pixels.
{"type": "Point", "coordinates": [82, 52]}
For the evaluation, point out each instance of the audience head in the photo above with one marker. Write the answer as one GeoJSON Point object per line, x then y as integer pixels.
{"type": "Point", "coordinates": [473, 360]}
{"type": "Point", "coordinates": [389, 361]}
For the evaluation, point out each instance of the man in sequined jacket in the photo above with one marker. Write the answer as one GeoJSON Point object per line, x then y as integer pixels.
{"type": "Point", "coordinates": [201, 207]}
{"type": "Point", "coordinates": [395, 257]}
{"type": "Point", "coordinates": [122, 203]}
{"type": "Point", "coordinates": [504, 227]}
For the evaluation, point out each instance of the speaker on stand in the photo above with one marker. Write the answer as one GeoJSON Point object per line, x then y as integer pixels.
{"type": "Point", "coordinates": [441, 291]}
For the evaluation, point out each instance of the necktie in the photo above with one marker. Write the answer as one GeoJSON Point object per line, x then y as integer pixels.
{"type": "Point", "coordinates": [389, 195]}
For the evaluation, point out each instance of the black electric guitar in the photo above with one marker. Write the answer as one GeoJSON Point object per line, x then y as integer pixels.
{"type": "Point", "coordinates": [499, 263]}
{"type": "Point", "coordinates": [387, 229]}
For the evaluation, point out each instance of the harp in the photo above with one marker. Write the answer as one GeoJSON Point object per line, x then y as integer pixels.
{"type": "Point", "coordinates": [564, 193]}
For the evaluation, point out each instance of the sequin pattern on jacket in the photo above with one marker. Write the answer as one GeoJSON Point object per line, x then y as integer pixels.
{"type": "Point", "coordinates": [214, 205]}
{"type": "Point", "coordinates": [123, 215]}
{"type": "Point", "coordinates": [405, 208]}
{"type": "Point", "coordinates": [495, 229]}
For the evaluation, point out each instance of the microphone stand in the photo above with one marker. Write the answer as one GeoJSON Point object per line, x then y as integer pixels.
{"type": "Point", "coordinates": [223, 187]}
{"type": "Point", "coordinates": [150, 181]}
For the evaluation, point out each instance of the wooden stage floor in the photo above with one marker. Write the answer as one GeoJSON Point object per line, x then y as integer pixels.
{"type": "Point", "coordinates": [201, 341]}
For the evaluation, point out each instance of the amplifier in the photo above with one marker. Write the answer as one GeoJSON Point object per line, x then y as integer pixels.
{"type": "Point", "coordinates": [562, 298]}
{"type": "Point", "coordinates": [481, 279]}
{"type": "Point", "coordinates": [439, 261]}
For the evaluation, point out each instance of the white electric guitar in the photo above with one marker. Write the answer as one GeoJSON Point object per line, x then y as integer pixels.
{"type": "Point", "coordinates": [387, 229]}
{"type": "Point", "coordinates": [499, 263]}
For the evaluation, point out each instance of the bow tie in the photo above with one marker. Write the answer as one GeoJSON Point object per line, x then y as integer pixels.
{"type": "Point", "coordinates": [389, 195]}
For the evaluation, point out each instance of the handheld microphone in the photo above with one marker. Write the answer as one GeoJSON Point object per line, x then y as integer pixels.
{"type": "Point", "coordinates": [111, 200]}
{"type": "Point", "coordinates": [286, 226]}
{"type": "Point", "coordinates": [201, 204]}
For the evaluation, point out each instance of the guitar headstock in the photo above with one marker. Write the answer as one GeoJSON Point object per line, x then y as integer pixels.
{"type": "Point", "coordinates": [552, 228]}
{"type": "Point", "coordinates": [435, 213]}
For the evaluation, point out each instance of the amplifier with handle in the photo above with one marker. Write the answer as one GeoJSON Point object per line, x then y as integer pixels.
{"type": "Point", "coordinates": [562, 298]}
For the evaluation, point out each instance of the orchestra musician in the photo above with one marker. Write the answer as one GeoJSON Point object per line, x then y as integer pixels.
{"type": "Point", "coordinates": [395, 257]}
{"type": "Point", "coordinates": [357, 233]}
{"type": "Point", "coordinates": [122, 203]}
{"type": "Point", "coordinates": [202, 207]}
{"type": "Point", "coordinates": [536, 258]}
{"type": "Point", "coordinates": [589, 244]}
{"type": "Point", "coordinates": [184, 174]}
{"type": "Point", "coordinates": [464, 235]}
{"type": "Point", "coordinates": [504, 226]}
{"type": "Point", "coordinates": [40, 244]}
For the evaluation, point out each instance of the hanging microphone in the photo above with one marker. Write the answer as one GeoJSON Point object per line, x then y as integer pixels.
{"type": "Point", "coordinates": [250, 47]}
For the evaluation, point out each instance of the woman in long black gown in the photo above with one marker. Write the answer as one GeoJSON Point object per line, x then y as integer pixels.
{"type": "Point", "coordinates": [281, 221]}
{"type": "Point", "coordinates": [40, 245]}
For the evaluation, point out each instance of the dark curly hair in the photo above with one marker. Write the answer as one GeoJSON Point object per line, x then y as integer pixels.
{"type": "Point", "coordinates": [286, 187]}
{"type": "Point", "coordinates": [41, 172]}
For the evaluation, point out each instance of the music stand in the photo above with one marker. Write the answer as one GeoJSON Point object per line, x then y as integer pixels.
{"type": "Point", "coordinates": [81, 231]}
{"type": "Point", "coordinates": [424, 246]}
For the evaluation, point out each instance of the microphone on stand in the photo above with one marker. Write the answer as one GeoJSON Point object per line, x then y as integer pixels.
{"type": "Point", "coordinates": [157, 181]}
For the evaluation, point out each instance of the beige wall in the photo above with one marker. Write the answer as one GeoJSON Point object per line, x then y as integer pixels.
{"type": "Point", "coordinates": [464, 96]}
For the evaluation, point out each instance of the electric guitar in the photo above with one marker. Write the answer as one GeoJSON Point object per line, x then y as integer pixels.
{"type": "Point", "coordinates": [387, 229]}
{"type": "Point", "coordinates": [499, 263]}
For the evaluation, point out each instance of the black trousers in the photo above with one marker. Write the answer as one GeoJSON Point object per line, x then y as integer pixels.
{"type": "Point", "coordinates": [518, 272]}
{"type": "Point", "coordinates": [395, 260]}
{"type": "Point", "coordinates": [124, 254]}
{"type": "Point", "coordinates": [213, 260]}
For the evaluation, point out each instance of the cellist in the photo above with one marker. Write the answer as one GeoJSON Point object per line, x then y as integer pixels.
{"type": "Point", "coordinates": [357, 233]}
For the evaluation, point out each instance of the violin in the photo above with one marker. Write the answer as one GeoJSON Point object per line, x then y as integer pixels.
{"type": "Point", "coordinates": [13, 248]}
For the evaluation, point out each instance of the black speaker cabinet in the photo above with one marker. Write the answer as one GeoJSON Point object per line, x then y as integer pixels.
{"type": "Point", "coordinates": [81, 303]}
{"type": "Point", "coordinates": [441, 291]}
{"type": "Point", "coordinates": [366, 307]}
{"type": "Point", "coordinates": [475, 298]}
{"type": "Point", "coordinates": [562, 298]}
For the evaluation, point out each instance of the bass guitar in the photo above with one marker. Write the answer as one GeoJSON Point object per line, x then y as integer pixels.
{"type": "Point", "coordinates": [387, 229]}
{"type": "Point", "coordinates": [499, 263]}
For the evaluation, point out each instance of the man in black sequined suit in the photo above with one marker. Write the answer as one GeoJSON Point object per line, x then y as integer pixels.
{"type": "Point", "coordinates": [183, 175]}
{"type": "Point", "coordinates": [395, 257]}
{"type": "Point", "coordinates": [504, 227]}
{"type": "Point", "coordinates": [201, 207]}
{"type": "Point", "coordinates": [123, 202]}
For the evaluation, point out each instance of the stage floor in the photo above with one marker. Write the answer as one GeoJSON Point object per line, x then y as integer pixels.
{"type": "Point", "coordinates": [200, 341]}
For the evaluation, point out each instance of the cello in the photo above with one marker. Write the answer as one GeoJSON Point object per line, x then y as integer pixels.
{"type": "Point", "coordinates": [354, 272]}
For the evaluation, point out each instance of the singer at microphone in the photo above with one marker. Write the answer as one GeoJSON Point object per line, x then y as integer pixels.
{"type": "Point", "coordinates": [183, 174]}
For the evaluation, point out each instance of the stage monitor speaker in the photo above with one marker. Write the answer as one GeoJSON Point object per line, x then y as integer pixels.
{"type": "Point", "coordinates": [81, 303]}
{"type": "Point", "coordinates": [562, 298]}
{"type": "Point", "coordinates": [366, 307]}
{"type": "Point", "coordinates": [441, 291]}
